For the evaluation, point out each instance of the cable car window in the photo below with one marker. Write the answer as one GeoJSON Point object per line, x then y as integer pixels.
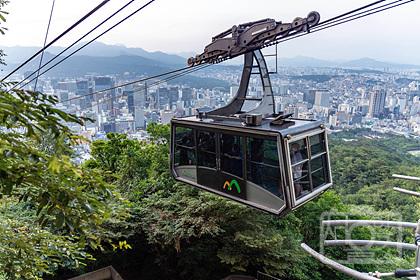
{"type": "Point", "coordinates": [317, 144]}
{"type": "Point", "coordinates": [185, 146]}
{"type": "Point", "coordinates": [231, 154]}
{"type": "Point", "coordinates": [302, 185]}
{"type": "Point", "coordinates": [318, 171]}
{"type": "Point", "coordinates": [309, 168]}
{"type": "Point", "coordinates": [298, 151]}
{"type": "Point", "coordinates": [318, 178]}
{"type": "Point", "coordinates": [206, 149]}
{"type": "Point", "coordinates": [263, 164]}
{"type": "Point", "coordinates": [317, 163]}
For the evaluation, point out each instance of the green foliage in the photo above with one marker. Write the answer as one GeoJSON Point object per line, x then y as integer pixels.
{"type": "Point", "coordinates": [159, 132]}
{"type": "Point", "coordinates": [178, 232]}
{"type": "Point", "coordinates": [368, 161]}
{"type": "Point", "coordinates": [68, 204]}
{"type": "Point", "coordinates": [208, 236]}
{"type": "Point", "coordinates": [2, 28]}
{"type": "Point", "coordinates": [29, 251]}
{"type": "Point", "coordinates": [62, 192]}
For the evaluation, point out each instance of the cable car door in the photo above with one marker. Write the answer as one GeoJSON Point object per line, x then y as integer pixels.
{"type": "Point", "coordinates": [220, 162]}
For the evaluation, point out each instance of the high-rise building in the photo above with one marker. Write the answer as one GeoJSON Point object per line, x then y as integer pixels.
{"type": "Point", "coordinates": [309, 96]}
{"type": "Point", "coordinates": [163, 97]}
{"type": "Point", "coordinates": [173, 96]}
{"type": "Point", "coordinates": [233, 90]}
{"type": "Point", "coordinates": [139, 118]}
{"type": "Point", "coordinates": [83, 88]}
{"type": "Point", "coordinates": [102, 83]}
{"type": "Point", "coordinates": [322, 98]}
{"type": "Point", "coordinates": [187, 96]}
{"type": "Point", "coordinates": [62, 95]}
{"type": "Point", "coordinates": [70, 86]}
{"type": "Point", "coordinates": [402, 102]}
{"type": "Point", "coordinates": [130, 100]}
{"type": "Point", "coordinates": [377, 103]}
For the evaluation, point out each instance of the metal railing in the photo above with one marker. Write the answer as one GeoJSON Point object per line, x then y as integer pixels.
{"type": "Point", "coordinates": [410, 273]}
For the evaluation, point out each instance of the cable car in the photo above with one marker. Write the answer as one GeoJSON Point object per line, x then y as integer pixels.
{"type": "Point", "coordinates": [246, 152]}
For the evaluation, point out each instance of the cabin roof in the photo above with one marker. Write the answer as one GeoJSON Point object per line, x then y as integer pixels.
{"type": "Point", "coordinates": [292, 126]}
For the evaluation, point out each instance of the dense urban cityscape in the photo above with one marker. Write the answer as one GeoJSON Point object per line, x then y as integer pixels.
{"type": "Point", "coordinates": [384, 101]}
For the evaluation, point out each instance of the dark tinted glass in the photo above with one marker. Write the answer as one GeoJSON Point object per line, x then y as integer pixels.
{"type": "Point", "coordinates": [184, 137]}
{"type": "Point", "coordinates": [317, 144]}
{"type": "Point", "coordinates": [263, 164]}
{"type": "Point", "coordinates": [231, 151]}
{"type": "Point", "coordinates": [317, 163]}
{"type": "Point", "coordinates": [206, 149]}
{"type": "Point", "coordinates": [263, 151]}
{"type": "Point", "coordinates": [318, 178]}
{"type": "Point", "coordinates": [185, 146]}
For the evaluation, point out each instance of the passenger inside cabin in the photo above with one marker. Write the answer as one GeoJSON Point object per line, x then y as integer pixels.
{"type": "Point", "coordinates": [296, 156]}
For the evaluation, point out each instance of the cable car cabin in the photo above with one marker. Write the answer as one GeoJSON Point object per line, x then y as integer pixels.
{"type": "Point", "coordinates": [246, 152]}
{"type": "Point", "coordinates": [276, 168]}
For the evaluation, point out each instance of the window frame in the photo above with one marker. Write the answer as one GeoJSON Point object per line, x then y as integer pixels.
{"type": "Point", "coordinates": [296, 202]}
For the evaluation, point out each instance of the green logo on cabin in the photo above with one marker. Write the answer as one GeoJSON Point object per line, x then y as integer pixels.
{"type": "Point", "coordinates": [229, 185]}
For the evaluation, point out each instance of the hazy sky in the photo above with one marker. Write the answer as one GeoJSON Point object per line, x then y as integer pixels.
{"type": "Point", "coordinates": [188, 25]}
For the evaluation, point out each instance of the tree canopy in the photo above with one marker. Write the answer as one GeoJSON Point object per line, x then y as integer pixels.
{"type": "Point", "coordinates": [51, 210]}
{"type": "Point", "coordinates": [179, 232]}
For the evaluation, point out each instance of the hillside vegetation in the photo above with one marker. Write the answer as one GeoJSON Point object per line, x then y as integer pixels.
{"type": "Point", "coordinates": [178, 232]}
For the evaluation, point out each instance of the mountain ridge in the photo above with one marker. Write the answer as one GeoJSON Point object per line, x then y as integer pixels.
{"type": "Point", "coordinates": [17, 54]}
{"type": "Point", "coordinates": [364, 62]}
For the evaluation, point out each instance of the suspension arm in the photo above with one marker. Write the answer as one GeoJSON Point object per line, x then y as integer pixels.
{"type": "Point", "coordinates": [251, 36]}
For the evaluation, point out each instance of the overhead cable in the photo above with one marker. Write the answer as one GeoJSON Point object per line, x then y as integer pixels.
{"type": "Point", "coordinates": [91, 41]}
{"type": "Point", "coordinates": [334, 21]}
{"type": "Point", "coordinates": [45, 41]}
{"type": "Point", "coordinates": [75, 42]}
{"type": "Point", "coordinates": [57, 38]}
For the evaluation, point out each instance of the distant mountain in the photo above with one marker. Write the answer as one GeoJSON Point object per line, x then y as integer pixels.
{"type": "Point", "coordinates": [18, 54]}
{"type": "Point", "coordinates": [78, 66]}
{"type": "Point", "coordinates": [304, 61]}
{"type": "Point", "coordinates": [362, 63]}
{"type": "Point", "coordinates": [105, 59]}
{"type": "Point", "coordinates": [367, 62]}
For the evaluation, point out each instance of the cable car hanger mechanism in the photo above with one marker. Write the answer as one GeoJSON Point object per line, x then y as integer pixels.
{"type": "Point", "coordinates": [248, 39]}
{"type": "Point", "coordinates": [252, 36]}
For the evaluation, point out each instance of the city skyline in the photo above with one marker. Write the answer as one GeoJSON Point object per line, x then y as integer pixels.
{"type": "Point", "coordinates": [160, 23]}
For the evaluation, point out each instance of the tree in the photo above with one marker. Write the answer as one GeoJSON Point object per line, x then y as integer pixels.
{"type": "Point", "coordinates": [2, 28]}
{"type": "Point", "coordinates": [50, 208]}
{"type": "Point", "coordinates": [179, 232]}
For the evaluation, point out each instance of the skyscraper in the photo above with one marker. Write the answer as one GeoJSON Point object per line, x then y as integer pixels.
{"type": "Point", "coordinates": [377, 103]}
{"type": "Point", "coordinates": [322, 98]}
{"type": "Point", "coordinates": [309, 96]}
